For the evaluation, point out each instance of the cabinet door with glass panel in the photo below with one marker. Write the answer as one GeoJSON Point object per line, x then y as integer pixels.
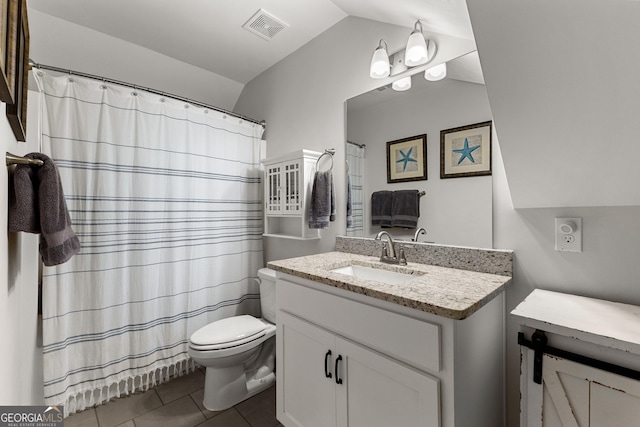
{"type": "Point", "coordinates": [286, 194]}
{"type": "Point", "coordinates": [284, 188]}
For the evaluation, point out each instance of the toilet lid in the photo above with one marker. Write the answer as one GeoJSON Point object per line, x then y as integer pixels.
{"type": "Point", "coordinates": [231, 329]}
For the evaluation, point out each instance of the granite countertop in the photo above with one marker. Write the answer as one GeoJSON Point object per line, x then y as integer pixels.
{"type": "Point", "coordinates": [447, 292]}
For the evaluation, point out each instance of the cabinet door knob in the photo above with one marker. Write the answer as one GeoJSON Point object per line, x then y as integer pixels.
{"type": "Point", "coordinates": [338, 379]}
{"type": "Point", "coordinates": [327, 373]}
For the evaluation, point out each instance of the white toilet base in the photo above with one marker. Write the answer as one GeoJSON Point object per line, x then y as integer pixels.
{"type": "Point", "coordinates": [224, 388]}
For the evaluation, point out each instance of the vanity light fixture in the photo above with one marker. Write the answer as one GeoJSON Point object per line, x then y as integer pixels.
{"type": "Point", "coordinates": [416, 52]}
{"type": "Point", "coordinates": [436, 73]}
{"type": "Point", "coordinates": [380, 67]}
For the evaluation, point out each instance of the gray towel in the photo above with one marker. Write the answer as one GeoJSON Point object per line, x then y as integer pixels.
{"type": "Point", "coordinates": [405, 208]}
{"type": "Point", "coordinates": [37, 205]}
{"type": "Point", "coordinates": [23, 199]}
{"type": "Point", "coordinates": [323, 201]}
{"type": "Point", "coordinates": [381, 208]}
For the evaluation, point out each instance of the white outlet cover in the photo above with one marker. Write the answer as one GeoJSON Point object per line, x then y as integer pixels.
{"type": "Point", "coordinates": [564, 243]}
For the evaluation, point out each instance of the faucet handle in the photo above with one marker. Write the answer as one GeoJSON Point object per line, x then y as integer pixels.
{"type": "Point", "coordinates": [401, 258]}
{"type": "Point", "coordinates": [385, 252]}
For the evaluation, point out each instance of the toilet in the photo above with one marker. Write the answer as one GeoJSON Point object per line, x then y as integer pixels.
{"type": "Point", "coordinates": [238, 352]}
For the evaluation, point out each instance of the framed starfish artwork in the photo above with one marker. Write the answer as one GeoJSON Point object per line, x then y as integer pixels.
{"type": "Point", "coordinates": [407, 159]}
{"type": "Point", "coordinates": [466, 151]}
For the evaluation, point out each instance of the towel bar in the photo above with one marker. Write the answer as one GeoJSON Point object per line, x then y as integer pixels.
{"type": "Point", "coordinates": [328, 152]}
{"type": "Point", "coordinates": [12, 159]}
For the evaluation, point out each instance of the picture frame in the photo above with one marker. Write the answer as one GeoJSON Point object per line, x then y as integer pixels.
{"type": "Point", "coordinates": [17, 111]}
{"type": "Point", "coordinates": [465, 151]}
{"type": "Point", "coordinates": [407, 159]}
{"type": "Point", "coordinates": [6, 89]}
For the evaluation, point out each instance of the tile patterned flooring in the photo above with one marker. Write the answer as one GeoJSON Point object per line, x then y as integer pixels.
{"type": "Point", "coordinates": [178, 403]}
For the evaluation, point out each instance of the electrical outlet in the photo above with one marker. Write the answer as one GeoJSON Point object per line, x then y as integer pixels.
{"type": "Point", "coordinates": [568, 234]}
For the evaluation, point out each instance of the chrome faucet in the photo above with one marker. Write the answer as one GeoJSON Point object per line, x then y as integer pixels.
{"type": "Point", "coordinates": [419, 231]}
{"type": "Point", "coordinates": [389, 251]}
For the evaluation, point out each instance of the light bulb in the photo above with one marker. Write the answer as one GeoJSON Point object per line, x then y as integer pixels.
{"type": "Point", "coordinates": [416, 52]}
{"type": "Point", "coordinates": [380, 67]}
{"type": "Point", "coordinates": [402, 84]}
{"type": "Point", "coordinates": [436, 73]}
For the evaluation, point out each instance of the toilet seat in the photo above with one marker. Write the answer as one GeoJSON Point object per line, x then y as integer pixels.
{"type": "Point", "coordinates": [227, 333]}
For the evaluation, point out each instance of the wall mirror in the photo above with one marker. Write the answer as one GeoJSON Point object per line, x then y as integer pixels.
{"type": "Point", "coordinates": [454, 211]}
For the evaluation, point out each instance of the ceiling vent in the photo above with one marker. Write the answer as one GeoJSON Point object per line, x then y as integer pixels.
{"type": "Point", "coordinates": [264, 25]}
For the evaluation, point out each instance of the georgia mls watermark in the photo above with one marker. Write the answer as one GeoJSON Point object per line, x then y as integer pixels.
{"type": "Point", "coordinates": [31, 416]}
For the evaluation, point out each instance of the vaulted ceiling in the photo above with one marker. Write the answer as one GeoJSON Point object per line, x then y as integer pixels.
{"type": "Point", "coordinates": [209, 33]}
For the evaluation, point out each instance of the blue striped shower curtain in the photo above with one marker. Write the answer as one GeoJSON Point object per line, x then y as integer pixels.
{"type": "Point", "coordinates": [166, 200]}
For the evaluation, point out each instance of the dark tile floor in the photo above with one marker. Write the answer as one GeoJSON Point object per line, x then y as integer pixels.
{"type": "Point", "coordinates": [178, 403]}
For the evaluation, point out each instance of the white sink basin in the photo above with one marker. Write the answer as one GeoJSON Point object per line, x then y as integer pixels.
{"type": "Point", "coordinates": [375, 274]}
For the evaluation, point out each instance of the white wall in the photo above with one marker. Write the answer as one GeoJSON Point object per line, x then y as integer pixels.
{"type": "Point", "coordinates": [455, 211]}
{"type": "Point", "coordinates": [21, 356]}
{"type": "Point", "coordinates": [302, 99]}
{"type": "Point", "coordinates": [562, 79]}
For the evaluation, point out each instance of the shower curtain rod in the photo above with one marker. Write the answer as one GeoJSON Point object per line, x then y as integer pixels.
{"type": "Point", "coordinates": [356, 144]}
{"type": "Point", "coordinates": [262, 123]}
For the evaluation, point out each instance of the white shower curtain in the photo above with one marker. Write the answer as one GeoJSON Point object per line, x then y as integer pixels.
{"type": "Point", "coordinates": [355, 162]}
{"type": "Point", "coordinates": [166, 200]}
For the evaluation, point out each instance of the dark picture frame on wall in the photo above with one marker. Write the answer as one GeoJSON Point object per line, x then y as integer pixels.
{"type": "Point", "coordinates": [407, 159]}
{"type": "Point", "coordinates": [6, 89]}
{"type": "Point", "coordinates": [19, 42]}
{"type": "Point", "coordinates": [11, 48]}
{"type": "Point", "coordinates": [466, 151]}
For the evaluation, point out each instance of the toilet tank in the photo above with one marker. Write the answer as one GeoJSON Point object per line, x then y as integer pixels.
{"type": "Point", "coordinates": [267, 278]}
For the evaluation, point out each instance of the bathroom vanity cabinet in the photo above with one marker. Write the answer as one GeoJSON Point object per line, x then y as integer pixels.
{"type": "Point", "coordinates": [287, 188]}
{"type": "Point", "coordinates": [579, 361]}
{"type": "Point", "coordinates": [345, 359]}
{"type": "Point", "coordinates": [349, 384]}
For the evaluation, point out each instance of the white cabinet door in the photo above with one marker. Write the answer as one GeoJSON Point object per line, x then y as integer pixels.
{"type": "Point", "coordinates": [293, 183]}
{"type": "Point", "coordinates": [615, 407]}
{"type": "Point", "coordinates": [377, 391]}
{"type": "Point", "coordinates": [283, 190]}
{"type": "Point", "coordinates": [272, 189]}
{"type": "Point", "coordinates": [305, 393]}
{"type": "Point", "coordinates": [565, 393]}
{"type": "Point", "coordinates": [576, 395]}
{"type": "Point", "coordinates": [325, 380]}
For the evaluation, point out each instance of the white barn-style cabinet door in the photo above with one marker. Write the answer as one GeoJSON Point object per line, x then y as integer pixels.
{"type": "Point", "coordinates": [576, 395]}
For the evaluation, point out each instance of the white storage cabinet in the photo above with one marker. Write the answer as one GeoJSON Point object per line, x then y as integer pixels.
{"type": "Point", "coordinates": [287, 190]}
{"type": "Point", "coordinates": [580, 364]}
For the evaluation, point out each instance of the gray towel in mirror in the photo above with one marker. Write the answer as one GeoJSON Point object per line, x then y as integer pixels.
{"type": "Point", "coordinates": [405, 208]}
{"type": "Point", "coordinates": [381, 208]}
